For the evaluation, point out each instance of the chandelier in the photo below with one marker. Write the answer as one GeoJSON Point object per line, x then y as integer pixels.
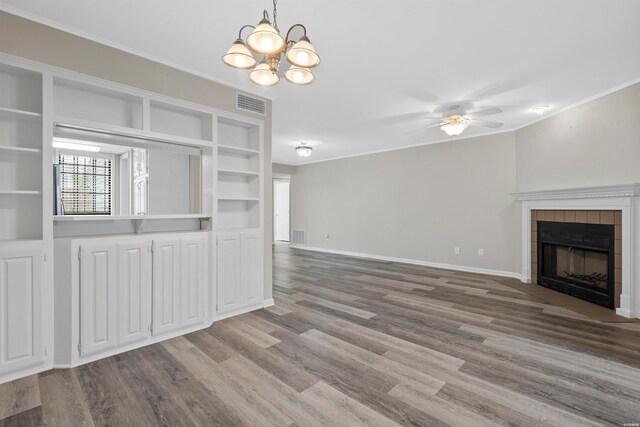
{"type": "Point", "coordinates": [265, 40]}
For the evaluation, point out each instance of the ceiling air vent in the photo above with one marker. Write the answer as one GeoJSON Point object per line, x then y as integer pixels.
{"type": "Point", "coordinates": [251, 104]}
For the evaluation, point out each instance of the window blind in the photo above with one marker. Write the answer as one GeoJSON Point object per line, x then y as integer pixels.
{"type": "Point", "coordinates": [85, 183]}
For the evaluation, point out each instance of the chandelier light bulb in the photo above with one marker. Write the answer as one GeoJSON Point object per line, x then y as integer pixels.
{"type": "Point", "coordinates": [265, 39]}
{"type": "Point", "coordinates": [263, 75]}
{"type": "Point", "coordinates": [239, 56]}
{"type": "Point", "coordinates": [299, 76]}
{"type": "Point", "coordinates": [302, 54]}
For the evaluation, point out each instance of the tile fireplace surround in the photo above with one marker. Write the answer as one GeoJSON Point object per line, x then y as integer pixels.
{"type": "Point", "coordinates": [624, 198]}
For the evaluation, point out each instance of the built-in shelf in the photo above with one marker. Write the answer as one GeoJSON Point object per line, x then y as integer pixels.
{"type": "Point", "coordinates": [59, 218]}
{"type": "Point", "coordinates": [241, 199]}
{"type": "Point", "coordinates": [18, 113]}
{"type": "Point", "coordinates": [21, 192]}
{"type": "Point", "coordinates": [228, 149]}
{"type": "Point", "coordinates": [20, 149]}
{"type": "Point", "coordinates": [237, 172]}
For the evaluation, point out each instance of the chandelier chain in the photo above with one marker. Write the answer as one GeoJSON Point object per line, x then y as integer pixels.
{"type": "Point", "coordinates": [275, 15]}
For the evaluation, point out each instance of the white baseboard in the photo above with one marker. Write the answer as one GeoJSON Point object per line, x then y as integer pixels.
{"type": "Point", "coordinates": [442, 266]}
{"type": "Point", "coordinates": [268, 303]}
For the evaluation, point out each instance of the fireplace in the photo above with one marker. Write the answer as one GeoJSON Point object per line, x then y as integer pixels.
{"type": "Point", "coordinates": [577, 259]}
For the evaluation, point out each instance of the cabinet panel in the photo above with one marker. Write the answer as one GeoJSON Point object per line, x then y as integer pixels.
{"type": "Point", "coordinates": [166, 285]}
{"type": "Point", "coordinates": [98, 309]}
{"type": "Point", "coordinates": [192, 268]}
{"type": "Point", "coordinates": [251, 274]}
{"type": "Point", "coordinates": [229, 296]}
{"type": "Point", "coordinates": [134, 292]}
{"type": "Point", "coordinates": [20, 309]}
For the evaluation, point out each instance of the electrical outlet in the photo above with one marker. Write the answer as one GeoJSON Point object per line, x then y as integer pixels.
{"type": "Point", "coordinates": [327, 237]}
{"type": "Point", "coordinates": [480, 252]}
{"type": "Point", "coordinates": [456, 250]}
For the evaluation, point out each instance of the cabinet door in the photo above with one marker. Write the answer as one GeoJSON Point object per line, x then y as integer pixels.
{"type": "Point", "coordinates": [134, 291]}
{"type": "Point", "coordinates": [192, 271]}
{"type": "Point", "coordinates": [251, 270]}
{"type": "Point", "coordinates": [20, 309]}
{"type": "Point", "coordinates": [229, 295]}
{"type": "Point", "coordinates": [98, 309]}
{"type": "Point", "coordinates": [166, 285]}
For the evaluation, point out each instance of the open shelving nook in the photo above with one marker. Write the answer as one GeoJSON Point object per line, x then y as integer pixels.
{"type": "Point", "coordinates": [239, 175]}
{"type": "Point", "coordinates": [21, 159]}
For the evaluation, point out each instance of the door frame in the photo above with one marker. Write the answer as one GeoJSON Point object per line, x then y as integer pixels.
{"type": "Point", "coordinates": [280, 178]}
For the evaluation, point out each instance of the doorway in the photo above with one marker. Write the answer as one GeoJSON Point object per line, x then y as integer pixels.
{"type": "Point", "coordinates": [281, 210]}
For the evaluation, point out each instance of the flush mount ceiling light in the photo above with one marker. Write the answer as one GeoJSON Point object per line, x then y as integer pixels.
{"type": "Point", "coordinates": [304, 150]}
{"type": "Point", "coordinates": [540, 109]}
{"type": "Point", "coordinates": [266, 40]}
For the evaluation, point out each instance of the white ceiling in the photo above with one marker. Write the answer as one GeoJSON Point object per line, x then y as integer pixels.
{"type": "Point", "coordinates": [385, 64]}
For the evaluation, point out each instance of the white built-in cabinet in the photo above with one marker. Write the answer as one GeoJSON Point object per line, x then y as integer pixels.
{"type": "Point", "coordinates": [239, 271]}
{"type": "Point", "coordinates": [166, 285]}
{"type": "Point", "coordinates": [134, 290]}
{"type": "Point", "coordinates": [179, 294]}
{"type": "Point", "coordinates": [21, 322]}
{"type": "Point", "coordinates": [130, 290]}
{"type": "Point", "coordinates": [76, 289]}
{"type": "Point", "coordinates": [98, 293]}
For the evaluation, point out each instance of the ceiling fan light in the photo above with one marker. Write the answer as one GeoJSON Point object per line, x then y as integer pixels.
{"type": "Point", "coordinates": [263, 75]}
{"type": "Point", "coordinates": [239, 56]}
{"type": "Point", "coordinates": [302, 54]}
{"type": "Point", "coordinates": [299, 75]}
{"type": "Point", "coordinates": [454, 129]}
{"type": "Point", "coordinates": [265, 39]}
{"type": "Point", "coordinates": [303, 150]}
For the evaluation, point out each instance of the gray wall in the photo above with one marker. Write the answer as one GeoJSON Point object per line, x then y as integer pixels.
{"type": "Point", "coordinates": [419, 203]}
{"type": "Point", "coordinates": [40, 43]}
{"type": "Point", "coordinates": [416, 203]}
{"type": "Point", "coordinates": [597, 143]}
{"type": "Point", "coordinates": [281, 169]}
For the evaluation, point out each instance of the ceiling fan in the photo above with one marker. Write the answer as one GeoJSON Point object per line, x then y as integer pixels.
{"type": "Point", "coordinates": [454, 119]}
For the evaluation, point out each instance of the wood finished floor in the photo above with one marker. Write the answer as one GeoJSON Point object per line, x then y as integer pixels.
{"type": "Point", "coordinates": [358, 342]}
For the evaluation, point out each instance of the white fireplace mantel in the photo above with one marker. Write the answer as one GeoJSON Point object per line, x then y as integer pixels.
{"type": "Point", "coordinates": [625, 198]}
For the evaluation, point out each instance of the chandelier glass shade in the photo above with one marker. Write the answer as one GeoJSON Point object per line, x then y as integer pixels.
{"type": "Point", "coordinates": [299, 75]}
{"type": "Point", "coordinates": [263, 75]}
{"type": "Point", "coordinates": [239, 56]}
{"type": "Point", "coordinates": [303, 150]}
{"type": "Point", "coordinates": [265, 40]}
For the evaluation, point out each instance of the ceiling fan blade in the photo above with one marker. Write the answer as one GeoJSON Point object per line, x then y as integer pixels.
{"type": "Point", "coordinates": [486, 124]}
{"type": "Point", "coordinates": [423, 128]}
{"type": "Point", "coordinates": [482, 113]}
{"type": "Point", "coordinates": [432, 118]}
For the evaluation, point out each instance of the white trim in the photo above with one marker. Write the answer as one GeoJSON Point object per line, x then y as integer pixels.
{"type": "Point", "coordinates": [603, 191]}
{"type": "Point", "coordinates": [422, 144]}
{"type": "Point", "coordinates": [625, 198]}
{"type": "Point", "coordinates": [238, 312]}
{"type": "Point", "coordinates": [67, 29]}
{"type": "Point", "coordinates": [268, 303]}
{"type": "Point", "coordinates": [431, 264]}
{"type": "Point", "coordinates": [489, 133]}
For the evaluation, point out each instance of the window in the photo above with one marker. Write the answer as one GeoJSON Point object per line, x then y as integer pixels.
{"type": "Point", "coordinates": [85, 184]}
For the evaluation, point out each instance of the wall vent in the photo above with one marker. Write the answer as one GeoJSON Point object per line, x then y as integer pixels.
{"type": "Point", "coordinates": [298, 238]}
{"type": "Point", "coordinates": [251, 104]}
